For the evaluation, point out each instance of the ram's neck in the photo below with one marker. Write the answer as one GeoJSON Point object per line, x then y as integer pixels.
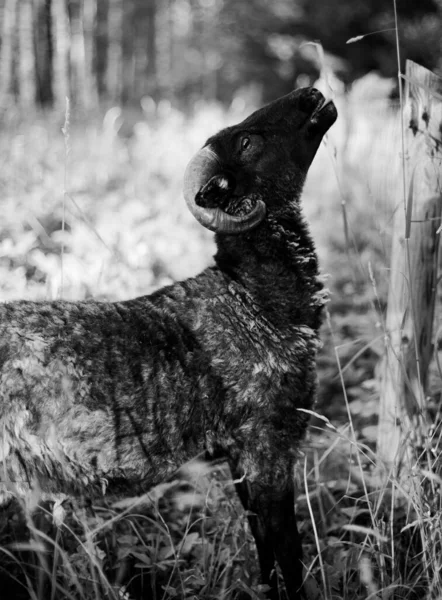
{"type": "Point", "coordinates": [277, 264]}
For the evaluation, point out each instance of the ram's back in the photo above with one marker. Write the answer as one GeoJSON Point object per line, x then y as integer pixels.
{"type": "Point", "coordinates": [91, 390]}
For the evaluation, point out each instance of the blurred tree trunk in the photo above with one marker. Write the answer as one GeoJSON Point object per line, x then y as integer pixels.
{"type": "Point", "coordinates": [164, 50]}
{"type": "Point", "coordinates": [129, 40]}
{"type": "Point", "coordinates": [143, 23]}
{"type": "Point", "coordinates": [205, 16]}
{"type": "Point", "coordinates": [182, 19]}
{"type": "Point", "coordinates": [7, 54]}
{"type": "Point", "coordinates": [211, 61]}
{"type": "Point", "coordinates": [79, 91]}
{"type": "Point", "coordinates": [26, 56]}
{"type": "Point", "coordinates": [61, 38]}
{"type": "Point", "coordinates": [403, 413]}
{"type": "Point", "coordinates": [43, 49]}
{"type": "Point", "coordinates": [89, 30]}
{"type": "Point", "coordinates": [83, 83]}
{"type": "Point", "coordinates": [114, 63]}
{"type": "Point", "coordinates": [139, 87]}
{"type": "Point", "coordinates": [151, 70]}
{"type": "Point", "coordinates": [101, 41]}
{"type": "Point", "coordinates": [197, 42]}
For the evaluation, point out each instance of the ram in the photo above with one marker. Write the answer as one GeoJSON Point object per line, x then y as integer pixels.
{"type": "Point", "coordinates": [126, 392]}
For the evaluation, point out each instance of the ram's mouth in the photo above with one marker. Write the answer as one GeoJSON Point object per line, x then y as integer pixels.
{"type": "Point", "coordinates": [322, 105]}
{"type": "Point", "coordinates": [325, 110]}
{"type": "Point", "coordinates": [322, 117]}
{"type": "Point", "coordinates": [241, 207]}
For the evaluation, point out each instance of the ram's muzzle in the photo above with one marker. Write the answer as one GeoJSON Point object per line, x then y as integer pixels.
{"type": "Point", "coordinates": [203, 166]}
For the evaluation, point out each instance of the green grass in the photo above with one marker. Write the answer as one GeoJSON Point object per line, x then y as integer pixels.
{"type": "Point", "coordinates": [127, 232]}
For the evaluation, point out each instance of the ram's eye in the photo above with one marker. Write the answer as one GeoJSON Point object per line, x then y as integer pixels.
{"type": "Point", "coordinates": [245, 143]}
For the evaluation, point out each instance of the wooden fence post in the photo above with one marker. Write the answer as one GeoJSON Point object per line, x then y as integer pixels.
{"type": "Point", "coordinates": [413, 276]}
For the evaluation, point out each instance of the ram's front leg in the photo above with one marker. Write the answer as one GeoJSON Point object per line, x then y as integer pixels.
{"type": "Point", "coordinates": [287, 541]}
{"type": "Point", "coordinates": [273, 524]}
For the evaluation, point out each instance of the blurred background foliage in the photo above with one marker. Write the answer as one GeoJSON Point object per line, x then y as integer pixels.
{"type": "Point", "coordinates": [182, 50]}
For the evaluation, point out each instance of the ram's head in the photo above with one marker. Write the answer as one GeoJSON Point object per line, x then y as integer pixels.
{"type": "Point", "coordinates": [226, 183]}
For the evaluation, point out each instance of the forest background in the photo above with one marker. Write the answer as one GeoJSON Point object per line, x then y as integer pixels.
{"type": "Point", "coordinates": [183, 50]}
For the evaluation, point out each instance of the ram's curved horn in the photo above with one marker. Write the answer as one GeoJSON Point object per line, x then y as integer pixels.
{"type": "Point", "coordinates": [203, 166]}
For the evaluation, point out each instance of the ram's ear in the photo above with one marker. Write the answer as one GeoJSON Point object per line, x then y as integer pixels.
{"type": "Point", "coordinates": [205, 182]}
{"type": "Point", "coordinates": [216, 192]}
